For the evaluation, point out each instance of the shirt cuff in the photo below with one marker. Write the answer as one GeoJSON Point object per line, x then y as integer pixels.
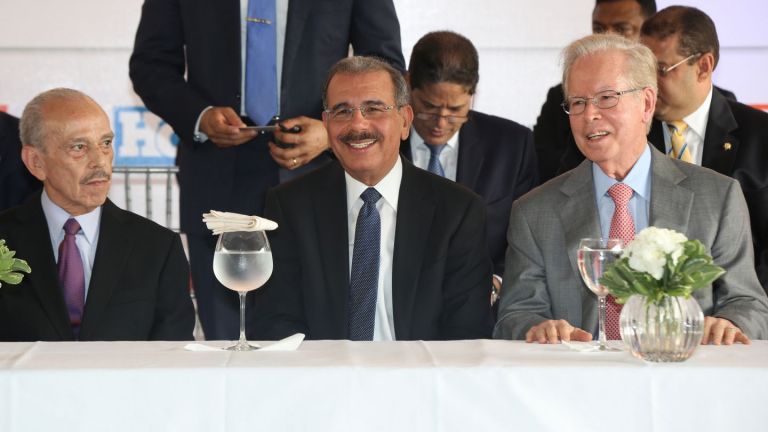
{"type": "Point", "coordinates": [198, 135]}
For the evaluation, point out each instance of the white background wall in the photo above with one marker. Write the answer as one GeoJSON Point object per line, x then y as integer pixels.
{"type": "Point", "coordinates": [85, 44]}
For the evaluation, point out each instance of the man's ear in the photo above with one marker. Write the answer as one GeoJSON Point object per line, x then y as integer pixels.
{"type": "Point", "coordinates": [406, 113]}
{"type": "Point", "coordinates": [706, 66]}
{"type": "Point", "coordinates": [34, 161]}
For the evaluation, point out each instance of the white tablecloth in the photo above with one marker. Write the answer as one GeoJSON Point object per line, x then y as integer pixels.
{"type": "Point", "coordinates": [377, 386]}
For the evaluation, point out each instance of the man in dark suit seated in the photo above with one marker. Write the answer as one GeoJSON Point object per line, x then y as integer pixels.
{"type": "Point", "coordinates": [370, 247]}
{"type": "Point", "coordinates": [625, 185]}
{"type": "Point", "coordinates": [16, 182]}
{"type": "Point", "coordinates": [718, 133]}
{"type": "Point", "coordinates": [209, 67]}
{"type": "Point", "coordinates": [98, 272]}
{"type": "Point", "coordinates": [490, 155]}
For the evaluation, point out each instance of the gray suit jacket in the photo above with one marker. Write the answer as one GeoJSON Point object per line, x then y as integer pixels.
{"type": "Point", "coordinates": [542, 281]}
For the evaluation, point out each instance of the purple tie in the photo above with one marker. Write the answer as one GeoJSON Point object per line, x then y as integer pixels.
{"type": "Point", "coordinates": [71, 275]}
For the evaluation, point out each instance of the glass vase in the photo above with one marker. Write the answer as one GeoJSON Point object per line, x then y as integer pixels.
{"type": "Point", "coordinates": [667, 331]}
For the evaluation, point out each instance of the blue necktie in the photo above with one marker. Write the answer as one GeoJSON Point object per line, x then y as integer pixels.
{"type": "Point", "coordinates": [261, 62]}
{"type": "Point", "coordinates": [434, 165]}
{"type": "Point", "coordinates": [364, 278]}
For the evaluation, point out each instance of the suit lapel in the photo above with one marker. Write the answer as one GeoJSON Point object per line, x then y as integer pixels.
{"type": "Point", "coordinates": [717, 154]}
{"type": "Point", "coordinates": [298, 11]}
{"type": "Point", "coordinates": [670, 204]}
{"type": "Point", "coordinates": [330, 204]}
{"type": "Point", "coordinates": [36, 249]}
{"type": "Point", "coordinates": [112, 252]}
{"type": "Point", "coordinates": [579, 216]}
{"type": "Point", "coordinates": [415, 211]}
{"type": "Point", "coordinates": [471, 154]}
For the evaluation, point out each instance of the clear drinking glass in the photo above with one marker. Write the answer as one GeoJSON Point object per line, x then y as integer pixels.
{"type": "Point", "coordinates": [242, 262]}
{"type": "Point", "coordinates": [593, 257]}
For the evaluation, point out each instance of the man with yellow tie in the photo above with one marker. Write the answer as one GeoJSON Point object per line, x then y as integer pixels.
{"type": "Point", "coordinates": [695, 123]}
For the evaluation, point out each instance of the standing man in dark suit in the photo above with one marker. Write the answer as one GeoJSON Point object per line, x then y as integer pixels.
{"type": "Point", "coordinates": [370, 247]}
{"type": "Point", "coordinates": [490, 155]}
{"type": "Point", "coordinates": [16, 182]}
{"type": "Point", "coordinates": [98, 272]}
{"type": "Point", "coordinates": [210, 67]}
{"type": "Point", "coordinates": [724, 135]}
{"type": "Point", "coordinates": [555, 147]}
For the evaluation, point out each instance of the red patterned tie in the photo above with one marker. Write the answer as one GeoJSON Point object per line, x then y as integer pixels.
{"type": "Point", "coordinates": [622, 227]}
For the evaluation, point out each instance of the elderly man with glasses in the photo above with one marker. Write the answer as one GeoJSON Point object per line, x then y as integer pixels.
{"type": "Point", "coordinates": [492, 156]}
{"type": "Point", "coordinates": [696, 123]}
{"type": "Point", "coordinates": [370, 247]}
{"type": "Point", "coordinates": [624, 186]}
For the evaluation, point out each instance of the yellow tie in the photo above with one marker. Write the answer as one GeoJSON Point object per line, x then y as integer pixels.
{"type": "Point", "coordinates": [680, 149]}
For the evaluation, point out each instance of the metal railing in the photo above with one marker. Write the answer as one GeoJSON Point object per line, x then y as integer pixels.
{"type": "Point", "coordinates": [148, 172]}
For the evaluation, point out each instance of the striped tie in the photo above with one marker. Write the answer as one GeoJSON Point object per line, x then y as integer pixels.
{"type": "Point", "coordinates": [680, 149]}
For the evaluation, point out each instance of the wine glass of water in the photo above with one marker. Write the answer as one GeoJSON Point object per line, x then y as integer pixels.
{"type": "Point", "coordinates": [593, 257]}
{"type": "Point", "coordinates": [242, 262]}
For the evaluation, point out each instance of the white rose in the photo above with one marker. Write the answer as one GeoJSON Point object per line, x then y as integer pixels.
{"type": "Point", "coordinates": [648, 251]}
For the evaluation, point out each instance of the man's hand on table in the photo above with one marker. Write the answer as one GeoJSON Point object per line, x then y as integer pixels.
{"type": "Point", "coordinates": [720, 331]}
{"type": "Point", "coordinates": [553, 331]}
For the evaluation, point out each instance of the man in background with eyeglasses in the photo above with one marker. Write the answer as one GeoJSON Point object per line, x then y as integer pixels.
{"type": "Point", "coordinates": [490, 155]}
{"type": "Point", "coordinates": [697, 124]}
{"type": "Point", "coordinates": [370, 247]}
{"type": "Point", "coordinates": [624, 186]}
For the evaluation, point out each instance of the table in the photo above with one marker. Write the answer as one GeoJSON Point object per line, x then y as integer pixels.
{"type": "Point", "coordinates": [480, 385]}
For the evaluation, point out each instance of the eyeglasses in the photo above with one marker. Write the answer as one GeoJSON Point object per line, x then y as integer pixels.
{"type": "Point", "coordinates": [664, 70]}
{"type": "Point", "coordinates": [451, 119]}
{"type": "Point", "coordinates": [371, 111]}
{"type": "Point", "coordinates": [603, 100]}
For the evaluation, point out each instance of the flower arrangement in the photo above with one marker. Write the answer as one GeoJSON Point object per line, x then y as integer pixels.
{"type": "Point", "coordinates": [660, 263]}
{"type": "Point", "coordinates": [11, 267]}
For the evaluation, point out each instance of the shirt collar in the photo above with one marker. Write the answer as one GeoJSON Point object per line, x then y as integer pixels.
{"type": "Point", "coordinates": [417, 142]}
{"type": "Point", "coordinates": [697, 120]}
{"type": "Point", "coordinates": [57, 216]}
{"type": "Point", "coordinates": [388, 187]}
{"type": "Point", "coordinates": [637, 178]}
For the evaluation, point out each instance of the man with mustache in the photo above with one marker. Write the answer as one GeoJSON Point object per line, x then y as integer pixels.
{"type": "Point", "coordinates": [370, 247]}
{"type": "Point", "coordinates": [98, 272]}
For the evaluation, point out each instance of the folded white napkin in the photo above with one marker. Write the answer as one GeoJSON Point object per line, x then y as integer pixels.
{"type": "Point", "coordinates": [291, 343]}
{"type": "Point", "coordinates": [221, 222]}
{"type": "Point", "coordinates": [592, 346]}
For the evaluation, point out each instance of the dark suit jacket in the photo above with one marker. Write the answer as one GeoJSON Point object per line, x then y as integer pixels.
{"type": "Point", "coordinates": [555, 146]}
{"type": "Point", "coordinates": [16, 183]}
{"type": "Point", "coordinates": [202, 38]}
{"type": "Point", "coordinates": [138, 288]}
{"type": "Point", "coordinates": [746, 130]}
{"type": "Point", "coordinates": [498, 162]}
{"type": "Point", "coordinates": [441, 270]}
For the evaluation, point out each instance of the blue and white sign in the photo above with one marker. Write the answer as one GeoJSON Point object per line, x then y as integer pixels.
{"type": "Point", "coordinates": [142, 138]}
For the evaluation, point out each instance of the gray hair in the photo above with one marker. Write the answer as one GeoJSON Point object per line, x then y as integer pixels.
{"type": "Point", "coordinates": [361, 64]}
{"type": "Point", "coordinates": [640, 70]}
{"type": "Point", "coordinates": [33, 130]}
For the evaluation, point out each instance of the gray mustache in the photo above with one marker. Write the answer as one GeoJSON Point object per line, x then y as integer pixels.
{"type": "Point", "coordinates": [356, 136]}
{"type": "Point", "coordinates": [96, 175]}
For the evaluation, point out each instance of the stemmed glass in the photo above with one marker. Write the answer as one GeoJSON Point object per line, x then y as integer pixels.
{"type": "Point", "coordinates": [594, 256]}
{"type": "Point", "coordinates": [242, 262]}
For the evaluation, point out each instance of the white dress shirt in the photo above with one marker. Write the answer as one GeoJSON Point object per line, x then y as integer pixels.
{"type": "Point", "coordinates": [694, 133]}
{"type": "Point", "coordinates": [449, 157]}
{"type": "Point", "coordinates": [389, 188]}
{"type": "Point", "coordinates": [87, 239]}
